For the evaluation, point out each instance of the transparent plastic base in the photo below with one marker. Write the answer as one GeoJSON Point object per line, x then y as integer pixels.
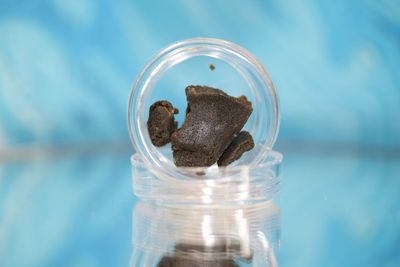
{"type": "Point", "coordinates": [212, 186]}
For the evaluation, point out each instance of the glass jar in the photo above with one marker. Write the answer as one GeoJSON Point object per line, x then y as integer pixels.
{"type": "Point", "coordinates": [255, 177]}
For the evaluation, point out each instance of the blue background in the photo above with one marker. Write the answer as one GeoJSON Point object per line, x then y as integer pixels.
{"type": "Point", "coordinates": [66, 68]}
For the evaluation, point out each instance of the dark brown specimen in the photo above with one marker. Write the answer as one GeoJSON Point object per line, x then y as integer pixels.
{"type": "Point", "coordinates": [241, 143]}
{"type": "Point", "coordinates": [161, 123]}
{"type": "Point", "coordinates": [213, 119]}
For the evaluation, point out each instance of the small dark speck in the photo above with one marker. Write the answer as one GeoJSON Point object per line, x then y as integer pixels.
{"type": "Point", "coordinates": [212, 67]}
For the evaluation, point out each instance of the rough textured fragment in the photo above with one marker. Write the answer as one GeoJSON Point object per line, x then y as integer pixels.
{"type": "Point", "coordinates": [213, 118]}
{"type": "Point", "coordinates": [161, 123]}
{"type": "Point", "coordinates": [241, 143]}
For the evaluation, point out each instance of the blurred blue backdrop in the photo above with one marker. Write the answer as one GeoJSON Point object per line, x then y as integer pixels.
{"type": "Point", "coordinates": [66, 68]}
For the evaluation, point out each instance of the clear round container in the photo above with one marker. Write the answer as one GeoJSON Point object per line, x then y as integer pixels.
{"type": "Point", "coordinates": [255, 177]}
{"type": "Point", "coordinates": [201, 236]}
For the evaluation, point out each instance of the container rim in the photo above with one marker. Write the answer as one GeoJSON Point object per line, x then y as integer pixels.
{"type": "Point", "coordinates": [211, 173]}
{"type": "Point", "coordinates": [218, 187]}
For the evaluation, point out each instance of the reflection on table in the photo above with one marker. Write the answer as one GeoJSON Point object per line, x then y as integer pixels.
{"type": "Point", "coordinates": [194, 236]}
